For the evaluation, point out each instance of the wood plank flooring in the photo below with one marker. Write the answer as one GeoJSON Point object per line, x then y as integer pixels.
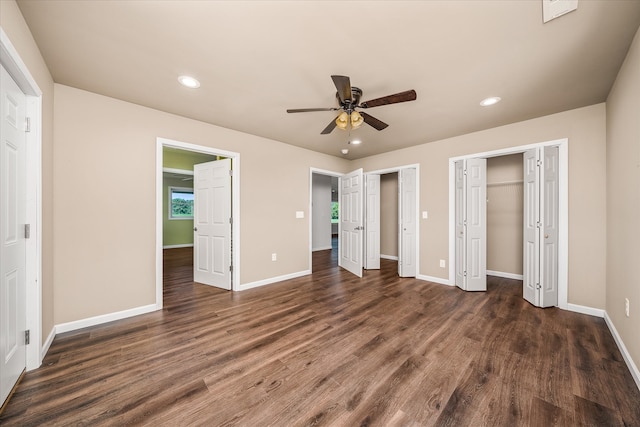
{"type": "Point", "coordinates": [331, 349]}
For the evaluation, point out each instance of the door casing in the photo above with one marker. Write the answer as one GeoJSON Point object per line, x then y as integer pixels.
{"type": "Point", "coordinates": [11, 61]}
{"type": "Point", "coordinates": [235, 207]}
{"type": "Point", "coordinates": [563, 200]}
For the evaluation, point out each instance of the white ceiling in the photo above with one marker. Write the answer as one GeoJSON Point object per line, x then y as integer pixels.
{"type": "Point", "coordinates": [255, 59]}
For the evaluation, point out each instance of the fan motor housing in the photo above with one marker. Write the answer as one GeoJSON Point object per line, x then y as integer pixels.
{"type": "Point", "coordinates": [356, 94]}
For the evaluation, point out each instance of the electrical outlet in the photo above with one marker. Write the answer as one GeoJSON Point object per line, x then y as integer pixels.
{"type": "Point", "coordinates": [443, 263]}
{"type": "Point", "coordinates": [626, 306]}
{"type": "Point", "coordinates": [274, 257]}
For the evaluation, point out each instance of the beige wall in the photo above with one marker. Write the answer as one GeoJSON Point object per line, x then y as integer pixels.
{"type": "Point", "coordinates": [623, 201]}
{"type": "Point", "coordinates": [585, 129]}
{"type": "Point", "coordinates": [505, 213]}
{"type": "Point", "coordinates": [16, 29]}
{"type": "Point", "coordinates": [389, 214]}
{"type": "Point", "coordinates": [105, 254]}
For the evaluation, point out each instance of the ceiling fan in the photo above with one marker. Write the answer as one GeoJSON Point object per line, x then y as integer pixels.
{"type": "Point", "coordinates": [349, 99]}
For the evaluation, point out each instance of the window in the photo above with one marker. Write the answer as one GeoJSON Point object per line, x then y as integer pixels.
{"type": "Point", "coordinates": [335, 212]}
{"type": "Point", "coordinates": [180, 203]}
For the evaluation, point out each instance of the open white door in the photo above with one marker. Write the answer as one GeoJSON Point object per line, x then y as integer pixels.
{"type": "Point", "coordinates": [372, 222]}
{"type": "Point", "coordinates": [212, 223]}
{"type": "Point", "coordinates": [531, 251]}
{"type": "Point", "coordinates": [351, 218]}
{"type": "Point", "coordinates": [550, 219]}
{"type": "Point", "coordinates": [12, 234]}
{"type": "Point", "coordinates": [471, 212]}
{"type": "Point", "coordinates": [541, 217]}
{"type": "Point", "coordinates": [408, 218]}
{"type": "Point", "coordinates": [460, 207]}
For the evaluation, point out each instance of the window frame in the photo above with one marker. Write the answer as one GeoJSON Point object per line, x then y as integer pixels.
{"type": "Point", "coordinates": [171, 190]}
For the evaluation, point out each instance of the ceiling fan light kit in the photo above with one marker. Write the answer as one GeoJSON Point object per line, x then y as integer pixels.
{"type": "Point", "coordinates": [349, 99]}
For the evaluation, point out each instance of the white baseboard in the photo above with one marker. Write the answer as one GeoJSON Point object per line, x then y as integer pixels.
{"type": "Point", "coordinates": [185, 245]}
{"type": "Point", "coordinates": [271, 280]}
{"type": "Point", "coordinates": [504, 275]}
{"type": "Point", "coordinates": [323, 248]}
{"type": "Point", "coordinates": [104, 318]}
{"type": "Point", "coordinates": [47, 344]}
{"type": "Point", "coordinates": [391, 257]}
{"type": "Point", "coordinates": [585, 310]}
{"type": "Point", "coordinates": [633, 368]}
{"type": "Point", "coordinates": [434, 279]}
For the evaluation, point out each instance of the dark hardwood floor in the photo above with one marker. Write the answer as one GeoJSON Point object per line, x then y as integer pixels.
{"type": "Point", "coordinates": [335, 350]}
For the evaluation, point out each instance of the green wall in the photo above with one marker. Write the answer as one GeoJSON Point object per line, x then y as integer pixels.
{"type": "Point", "coordinates": [178, 231]}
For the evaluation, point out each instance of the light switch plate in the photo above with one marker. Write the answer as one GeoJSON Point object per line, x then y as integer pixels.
{"type": "Point", "coordinates": [299, 214]}
{"type": "Point", "coordinates": [425, 214]}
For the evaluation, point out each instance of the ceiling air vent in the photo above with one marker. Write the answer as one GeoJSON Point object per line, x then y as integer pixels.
{"type": "Point", "coordinates": [552, 9]}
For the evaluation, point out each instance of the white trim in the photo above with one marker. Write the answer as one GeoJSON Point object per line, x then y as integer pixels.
{"type": "Point", "coordinates": [271, 280]}
{"type": "Point", "coordinates": [178, 171]}
{"type": "Point", "coordinates": [323, 248]}
{"type": "Point", "coordinates": [183, 245]}
{"type": "Point", "coordinates": [583, 309]}
{"type": "Point", "coordinates": [11, 60]}
{"type": "Point", "coordinates": [391, 257]}
{"type": "Point", "coordinates": [103, 318]}
{"type": "Point", "coordinates": [563, 208]}
{"type": "Point", "coordinates": [433, 279]}
{"type": "Point", "coordinates": [48, 342]}
{"type": "Point", "coordinates": [235, 207]}
{"type": "Point", "coordinates": [504, 275]}
{"type": "Point", "coordinates": [633, 368]}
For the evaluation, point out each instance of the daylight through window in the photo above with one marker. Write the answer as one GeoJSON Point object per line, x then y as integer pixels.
{"type": "Point", "coordinates": [181, 203]}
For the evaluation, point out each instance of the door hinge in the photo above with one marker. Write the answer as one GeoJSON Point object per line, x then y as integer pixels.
{"type": "Point", "coordinates": [231, 220]}
{"type": "Point", "coordinates": [539, 162]}
{"type": "Point", "coordinates": [27, 231]}
{"type": "Point", "coordinates": [230, 172]}
{"type": "Point", "coordinates": [27, 124]}
{"type": "Point", "coordinates": [27, 338]}
{"type": "Point", "coordinates": [231, 268]}
{"type": "Point", "coordinates": [538, 286]}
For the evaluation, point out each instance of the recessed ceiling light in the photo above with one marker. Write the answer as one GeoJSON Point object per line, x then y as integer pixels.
{"type": "Point", "coordinates": [345, 151]}
{"type": "Point", "coordinates": [189, 82]}
{"type": "Point", "coordinates": [356, 142]}
{"type": "Point", "coordinates": [490, 101]}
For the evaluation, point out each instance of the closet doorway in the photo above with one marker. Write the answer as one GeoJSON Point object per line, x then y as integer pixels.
{"type": "Point", "coordinates": [544, 256]}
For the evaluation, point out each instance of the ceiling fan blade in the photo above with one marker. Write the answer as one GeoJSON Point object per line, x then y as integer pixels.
{"type": "Point", "coordinates": [373, 122]}
{"type": "Point", "coordinates": [409, 95]}
{"type": "Point", "coordinates": [309, 110]}
{"type": "Point", "coordinates": [330, 127]}
{"type": "Point", "coordinates": [343, 84]}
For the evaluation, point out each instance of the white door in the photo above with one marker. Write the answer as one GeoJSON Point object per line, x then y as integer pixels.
{"type": "Point", "coordinates": [530, 250]}
{"type": "Point", "coordinates": [372, 222]}
{"type": "Point", "coordinates": [351, 218]}
{"type": "Point", "coordinates": [212, 223]}
{"type": "Point", "coordinates": [471, 235]}
{"type": "Point", "coordinates": [12, 234]}
{"type": "Point", "coordinates": [541, 215]}
{"type": "Point", "coordinates": [460, 209]}
{"type": "Point", "coordinates": [550, 200]}
{"type": "Point", "coordinates": [408, 218]}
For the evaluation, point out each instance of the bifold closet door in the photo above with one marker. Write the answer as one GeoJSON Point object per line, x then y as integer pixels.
{"type": "Point", "coordinates": [471, 224]}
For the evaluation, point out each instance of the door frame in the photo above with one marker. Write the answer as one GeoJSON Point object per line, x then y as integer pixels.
{"type": "Point", "coordinates": [11, 61]}
{"type": "Point", "coordinates": [563, 208]}
{"type": "Point", "coordinates": [397, 170]}
{"type": "Point", "coordinates": [235, 207]}
{"type": "Point", "coordinates": [317, 171]}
